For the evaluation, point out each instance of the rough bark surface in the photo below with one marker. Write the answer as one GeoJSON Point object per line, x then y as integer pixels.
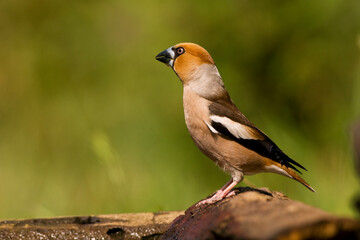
{"type": "Point", "coordinates": [251, 214]}
{"type": "Point", "coordinates": [356, 148]}
{"type": "Point", "coordinates": [117, 226]}
{"type": "Point", "coordinates": [260, 214]}
{"type": "Point", "coordinates": [356, 145]}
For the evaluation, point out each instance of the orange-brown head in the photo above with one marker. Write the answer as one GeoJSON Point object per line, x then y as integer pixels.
{"type": "Point", "coordinates": [185, 59]}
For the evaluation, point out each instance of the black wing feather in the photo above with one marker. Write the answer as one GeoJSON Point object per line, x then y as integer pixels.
{"type": "Point", "coordinates": [266, 147]}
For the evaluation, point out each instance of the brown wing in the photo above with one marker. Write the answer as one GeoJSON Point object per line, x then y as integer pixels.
{"type": "Point", "coordinates": [228, 121]}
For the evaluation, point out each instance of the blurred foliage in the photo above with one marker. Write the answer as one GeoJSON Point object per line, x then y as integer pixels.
{"type": "Point", "coordinates": [91, 123]}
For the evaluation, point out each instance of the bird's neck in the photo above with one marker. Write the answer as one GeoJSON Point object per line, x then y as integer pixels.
{"type": "Point", "coordinates": [206, 82]}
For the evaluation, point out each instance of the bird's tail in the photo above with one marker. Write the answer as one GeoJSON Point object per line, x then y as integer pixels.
{"type": "Point", "coordinates": [292, 174]}
{"type": "Point", "coordinates": [295, 176]}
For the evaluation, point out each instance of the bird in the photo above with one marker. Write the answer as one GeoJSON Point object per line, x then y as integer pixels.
{"type": "Point", "coordinates": [217, 126]}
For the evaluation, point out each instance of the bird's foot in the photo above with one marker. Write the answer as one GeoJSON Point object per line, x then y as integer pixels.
{"type": "Point", "coordinates": [208, 201]}
{"type": "Point", "coordinates": [230, 194]}
{"type": "Point", "coordinates": [219, 195]}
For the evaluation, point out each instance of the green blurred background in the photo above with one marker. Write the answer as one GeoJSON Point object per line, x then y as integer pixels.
{"type": "Point", "coordinates": [91, 123]}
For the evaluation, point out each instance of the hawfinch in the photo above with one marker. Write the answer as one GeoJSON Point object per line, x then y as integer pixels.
{"type": "Point", "coordinates": [217, 126]}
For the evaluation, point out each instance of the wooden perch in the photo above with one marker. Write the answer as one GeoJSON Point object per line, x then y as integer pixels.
{"type": "Point", "coordinates": [251, 214]}
{"type": "Point", "coordinates": [260, 214]}
{"type": "Point", "coordinates": [117, 226]}
{"type": "Point", "coordinates": [356, 145]}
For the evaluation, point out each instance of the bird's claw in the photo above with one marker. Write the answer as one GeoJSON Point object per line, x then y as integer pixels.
{"type": "Point", "coordinates": [219, 195]}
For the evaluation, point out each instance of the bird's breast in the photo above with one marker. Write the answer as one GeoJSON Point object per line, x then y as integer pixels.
{"type": "Point", "coordinates": [196, 111]}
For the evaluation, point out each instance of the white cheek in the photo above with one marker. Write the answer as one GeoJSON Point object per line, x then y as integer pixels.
{"type": "Point", "coordinates": [171, 52]}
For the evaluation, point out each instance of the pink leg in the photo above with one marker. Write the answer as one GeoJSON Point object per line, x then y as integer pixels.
{"type": "Point", "coordinates": [226, 185]}
{"type": "Point", "coordinates": [220, 194]}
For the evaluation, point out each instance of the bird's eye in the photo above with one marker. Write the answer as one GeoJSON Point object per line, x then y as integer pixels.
{"type": "Point", "coordinates": [180, 50]}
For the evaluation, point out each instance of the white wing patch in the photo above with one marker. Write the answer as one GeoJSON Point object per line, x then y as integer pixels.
{"type": "Point", "coordinates": [213, 130]}
{"type": "Point", "coordinates": [237, 129]}
{"type": "Point", "coordinates": [276, 169]}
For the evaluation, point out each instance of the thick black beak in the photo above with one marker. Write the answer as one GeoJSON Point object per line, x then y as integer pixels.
{"type": "Point", "coordinates": [165, 57]}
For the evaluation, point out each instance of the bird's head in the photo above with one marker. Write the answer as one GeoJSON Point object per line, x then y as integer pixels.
{"type": "Point", "coordinates": [188, 60]}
